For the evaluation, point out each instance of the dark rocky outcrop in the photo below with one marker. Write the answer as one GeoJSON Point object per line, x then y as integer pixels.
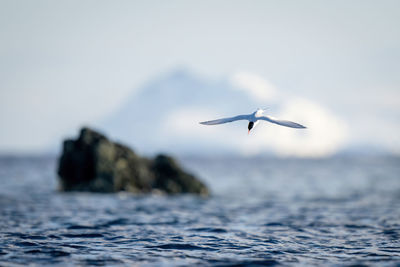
{"type": "Point", "coordinates": [94, 163]}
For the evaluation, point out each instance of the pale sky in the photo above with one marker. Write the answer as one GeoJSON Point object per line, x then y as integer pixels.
{"type": "Point", "coordinates": [64, 63]}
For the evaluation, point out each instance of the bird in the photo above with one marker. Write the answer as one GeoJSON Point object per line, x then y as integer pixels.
{"type": "Point", "coordinates": [254, 118]}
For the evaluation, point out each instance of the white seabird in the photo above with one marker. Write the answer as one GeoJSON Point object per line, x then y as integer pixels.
{"type": "Point", "coordinates": [253, 119]}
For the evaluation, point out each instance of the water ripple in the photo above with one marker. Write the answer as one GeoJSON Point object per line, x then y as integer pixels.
{"type": "Point", "coordinates": [281, 219]}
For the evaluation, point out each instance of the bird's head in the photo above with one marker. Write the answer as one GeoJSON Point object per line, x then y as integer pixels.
{"type": "Point", "coordinates": [250, 126]}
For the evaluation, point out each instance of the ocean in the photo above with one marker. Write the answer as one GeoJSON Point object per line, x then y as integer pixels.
{"type": "Point", "coordinates": [339, 211]}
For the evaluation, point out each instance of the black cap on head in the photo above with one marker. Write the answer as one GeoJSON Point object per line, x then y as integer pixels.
{"type": "Point", "coordinates": [251, 124]}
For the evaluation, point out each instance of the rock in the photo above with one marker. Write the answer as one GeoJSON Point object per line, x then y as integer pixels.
{"type": "Point", "coordinates": [172, 179]}
{"type": "Point", "coordinates": [93, 163]}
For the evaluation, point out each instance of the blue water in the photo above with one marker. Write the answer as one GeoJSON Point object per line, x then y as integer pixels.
{"type": "Point", "coordinates": [266, 211]}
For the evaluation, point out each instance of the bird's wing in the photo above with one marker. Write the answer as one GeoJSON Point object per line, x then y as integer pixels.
{"type": "Point", "coordinates": [225, 120]}
{"type": "Point", "coordinates": [281, 122]}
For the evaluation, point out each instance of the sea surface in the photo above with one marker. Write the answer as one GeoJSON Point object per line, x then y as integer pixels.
{"type": "Point", "coordinates": [341, 211]}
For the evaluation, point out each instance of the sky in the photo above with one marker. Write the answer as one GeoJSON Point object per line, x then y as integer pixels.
{"type": "Point", "coordinates": [68, 63]}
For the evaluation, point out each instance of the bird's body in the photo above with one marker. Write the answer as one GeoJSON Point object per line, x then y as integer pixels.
{"type": "Point", "coordinates": [254, 118]}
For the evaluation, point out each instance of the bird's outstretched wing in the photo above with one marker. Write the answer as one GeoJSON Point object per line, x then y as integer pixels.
{"type": "Point", "coordinates": [225, 120]}
{"type": "Point", "coordinates": [281, 122]}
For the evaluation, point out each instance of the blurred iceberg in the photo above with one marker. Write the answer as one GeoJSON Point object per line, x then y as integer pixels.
{"type": "Point", "coordinates": [164, 115]}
